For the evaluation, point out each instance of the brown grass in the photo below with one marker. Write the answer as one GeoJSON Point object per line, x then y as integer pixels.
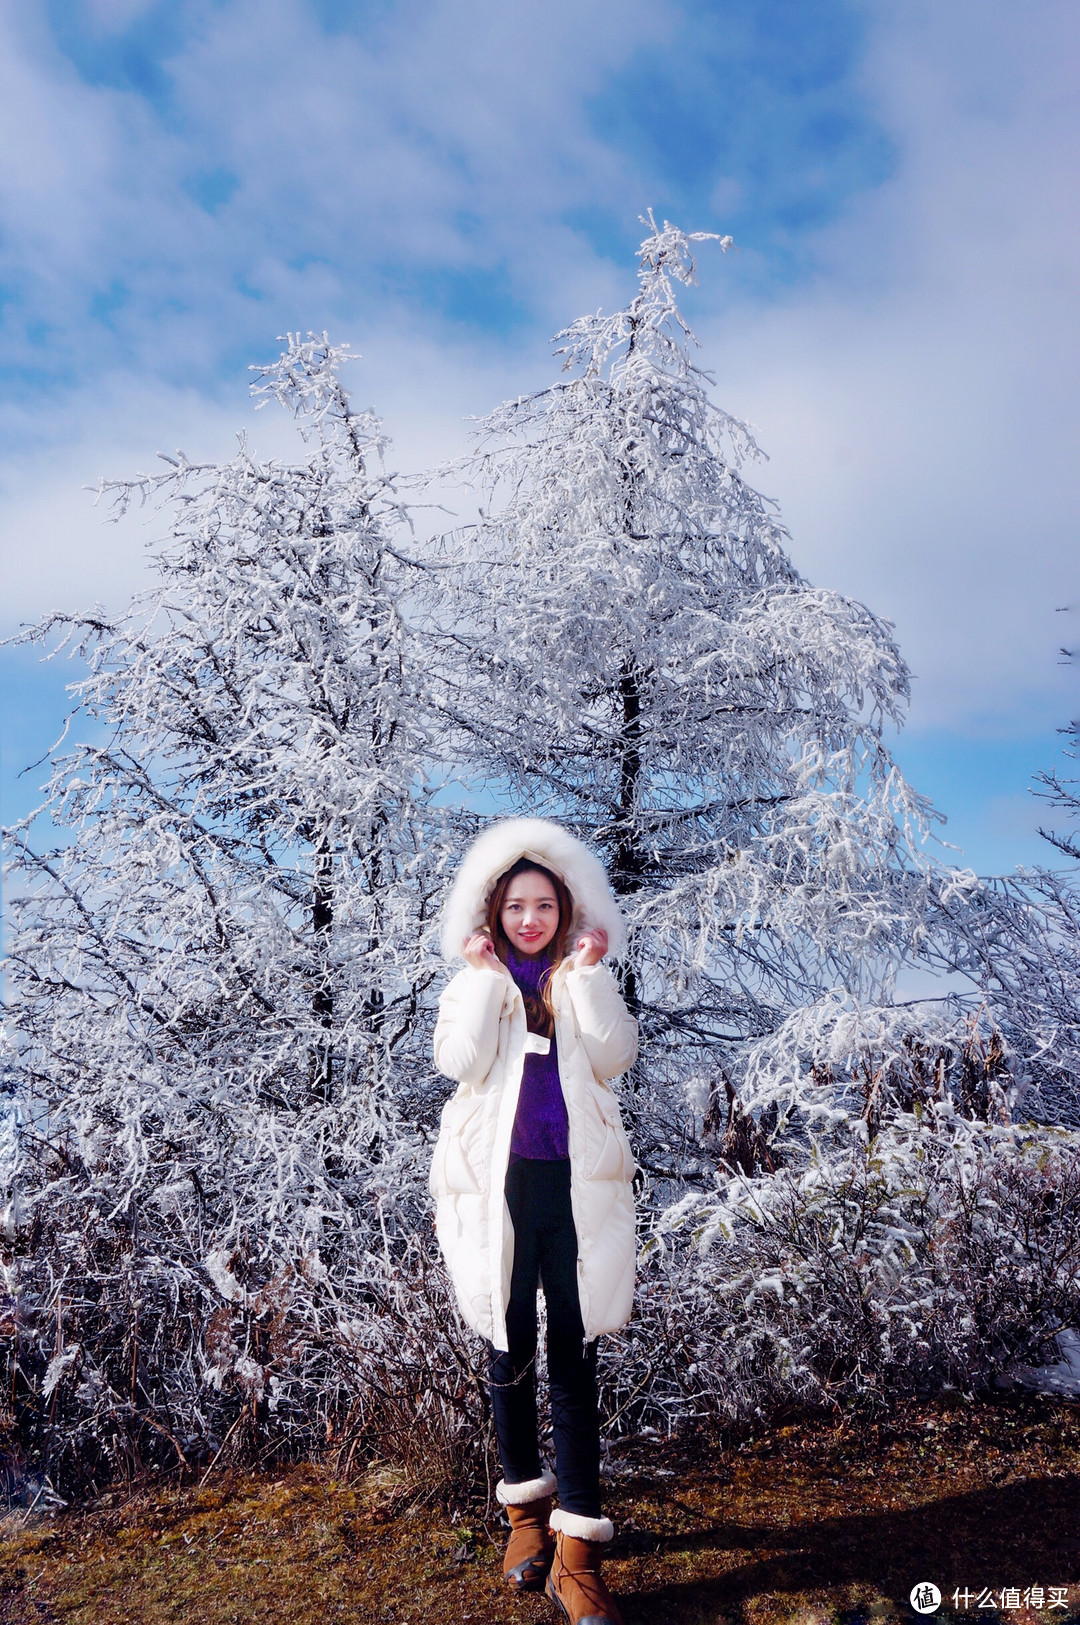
{"type": "Point", "coordinates": [815, 1524]}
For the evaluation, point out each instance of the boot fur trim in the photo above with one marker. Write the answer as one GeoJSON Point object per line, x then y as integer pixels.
{"type": "Point", "coordinates": [519, 1495]}
{"type": "Point", "coordinates": [579, 1528]}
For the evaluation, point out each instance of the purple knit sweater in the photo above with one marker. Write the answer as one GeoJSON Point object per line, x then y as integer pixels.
{"type": "Point", "coordinates": [540, 1127]}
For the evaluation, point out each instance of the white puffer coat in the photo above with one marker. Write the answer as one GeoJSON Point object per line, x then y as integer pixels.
{"type": "Point", "coordinates": [481, 1039]}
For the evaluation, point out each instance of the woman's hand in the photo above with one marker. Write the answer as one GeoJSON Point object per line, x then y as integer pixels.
{"type": "Point", "coordinates": [479, 951]}
{"type": "Point", "coordinates": [591, 948]}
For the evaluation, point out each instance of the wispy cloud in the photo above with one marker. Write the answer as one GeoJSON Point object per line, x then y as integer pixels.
{"type": "Point", "coordinates": [445, 182]}
{"type": "Point", "coordinates": [918, 393]}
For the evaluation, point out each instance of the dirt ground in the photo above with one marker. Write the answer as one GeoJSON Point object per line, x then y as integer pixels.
{"type": "Point", "coordinates": [817, 1524]}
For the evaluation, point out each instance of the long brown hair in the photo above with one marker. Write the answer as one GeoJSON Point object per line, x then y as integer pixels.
{"type": "Point", "coordinates": [540, 1012]}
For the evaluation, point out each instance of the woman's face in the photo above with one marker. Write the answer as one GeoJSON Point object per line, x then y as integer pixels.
{"type": "Point", "coordinates": [530, 912]}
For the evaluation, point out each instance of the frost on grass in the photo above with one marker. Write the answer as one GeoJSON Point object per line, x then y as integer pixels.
{"type": "Point", "coordinates": [222, 974]}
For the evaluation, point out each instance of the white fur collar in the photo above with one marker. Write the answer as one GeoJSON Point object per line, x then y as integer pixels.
{"type": "Point", "coordinates": [492, 853]}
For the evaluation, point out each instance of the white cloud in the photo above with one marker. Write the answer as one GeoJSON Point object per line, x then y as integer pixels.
{"type": "Point", "coordinates": [449, 139]}
{"type": "Point", "coordinates": [919, 398]}
{"type": "Point", "coordinates": [453, 137]}
{"type": "Point", "coordinates": [916, 397]}
{"type": "Point", "coordinates": [60, 550]}
{"type": "Point", "coordinates": [62, 156]}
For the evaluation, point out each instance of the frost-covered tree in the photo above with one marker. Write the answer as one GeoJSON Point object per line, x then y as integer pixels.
{"type": "Point", "coordinates": [832, 1165]}
{"type": "Point", "coordinates": [215, 974]}
{"type": "Point", "coordinates": [1017, 937]}
{"type": "Point", "coordinates": [1062, 791]}
{"type": "Point", "coordinates": [1022, 937]}
{"type": "Point", "coordinates": [220, 985]}
{"type": "Point", "coordinates": [646, 661]}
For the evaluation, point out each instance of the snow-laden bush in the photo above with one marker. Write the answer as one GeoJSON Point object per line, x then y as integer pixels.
{"type": "Point", "coordinates": [1020, 939]}
{"type": "Point", "coordinates": [136, 1355]}
{"type": "Point", "coordinates": [925, 1256]}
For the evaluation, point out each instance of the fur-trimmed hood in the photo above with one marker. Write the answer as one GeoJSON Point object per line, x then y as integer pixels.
{"type": "Point", "coordinates": [493, 852]}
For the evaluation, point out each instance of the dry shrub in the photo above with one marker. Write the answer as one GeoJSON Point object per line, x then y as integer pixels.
{"type": "Point", "coordinates": [416, 1375]}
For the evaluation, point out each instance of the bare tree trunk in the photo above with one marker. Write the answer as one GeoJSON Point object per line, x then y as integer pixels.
{"type": "Point", "coordinates": [321, 1063]}
{"type": "Point", "coordinates": [628, 865]}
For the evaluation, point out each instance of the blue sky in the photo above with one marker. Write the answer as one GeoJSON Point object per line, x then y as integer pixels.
{"type": "Point", "coordinates": [444, 183]}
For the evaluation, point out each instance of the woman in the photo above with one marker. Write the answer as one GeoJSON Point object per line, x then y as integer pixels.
{"type": "Point", "coordinates": [532, 1175]}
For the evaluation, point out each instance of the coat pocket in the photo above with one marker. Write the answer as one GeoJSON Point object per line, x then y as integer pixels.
{"type": "Point", "coordinates": [610, 1154]}
{"type": "Point", "coordinates": [455, 1167]}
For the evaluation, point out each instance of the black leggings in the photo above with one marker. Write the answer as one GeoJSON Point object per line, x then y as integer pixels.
{"type": "Point", "coordinates": [546, 1251]}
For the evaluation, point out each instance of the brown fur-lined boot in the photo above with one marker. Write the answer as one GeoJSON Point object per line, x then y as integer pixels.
{"type": "Point", "coordinates": [575, 1584]}
{"type": "Point", "coordinates": [531, 1546]}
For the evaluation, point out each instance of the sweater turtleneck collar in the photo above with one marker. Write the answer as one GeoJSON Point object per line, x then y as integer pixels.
{"type": "Point", "coordinates": [528, 972]}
